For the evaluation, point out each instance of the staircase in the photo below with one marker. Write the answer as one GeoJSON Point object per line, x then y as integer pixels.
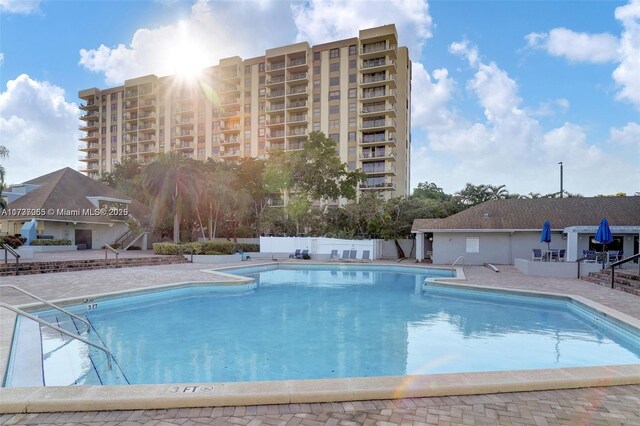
{"type": "Point", "coordinates": [86, 265]}
{"type": "Point", "coordinates": [627, 280]}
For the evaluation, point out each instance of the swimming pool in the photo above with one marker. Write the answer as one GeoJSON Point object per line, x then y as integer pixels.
{"type": "Point", "coordinates": [327, 322]}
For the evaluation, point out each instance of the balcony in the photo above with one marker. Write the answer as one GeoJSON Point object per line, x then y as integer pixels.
{"type": "Point", "coordinates": [147, 93]}
{"type": "Point", "coordinates": [278, 120]}
{"type": "Point", "coordinates": [297, 105]}
{"type": "Point", "coordinates": [90, 136]}
{"type": "Point", "coordinates": [276, 135]}
{"type": "Point", "coordinates": [372, 50]}
{"type": "Point", "coordinates": [378, 185]}
{"type": "Point", "coordinates": [147, 138]}
{"type": "Point", "coordinates": [183, 145]}
{"type": "Point", "coordinates": [231, 141]}
{"type": "Point", "coordinates": [296, 146]}
{"type": "Point", "coordinates": [130, 116]}
{"type": "Point", "coordinates": [230, 89]}
{"type": "Point", "coordinates": [229, 101]}
{"type": "Point", "coordinates": [179, 109]}
{"type": "Point", "coordinates": [377, 64]}
{"type": "Point", "coordinates": [185, 134]}
{"type": "Point", "coordinates": [297, 91]}
{"type": "Point", "coordinates": [89, 126]}
{"type": "Point", "coordinates": [378, 124]}
{"type": "Point", "coordinates": [130, 128]}
{"type": "Point", "coordinates": [150, 148]}
{"type": "Point", "coordinates": [388, 170]}
{"type": "Point", "coordinates": [384, 140]}
{"type": "Point", "coordinates": [380, 94]}
{"type": "Point", "coordinates": [233, 128]}
{"type": "Point", "coordinates": [230, 75]}
{"type": "Point", "coordinates": [130, 140]}
{"type": "Point", "coordinates": [131, 104]}
{"type": "Point", "coordinates": [88, 157]}
{"type": "Point", "coordinates": [275, 94]}
{"type": "Point", "coordinates": [276, 145]}
{"type": "Point", "coordinates": [130, 94]}
{"type": "Point", "coordinates": [377, 109]}
{"type": "Point", "coordinates": [297, 64]}
{"type": "Point", "coordinates": [276, 107]}
{"type": "Point", "coordinates": [149, 103]}
{"type": "Point", "coordinates": [297, 118]}
{"type": "Point", "coordinates": [90, 168]}
{"type": "Point", "coordinates": [148, 115]}
{"type": "Point", "coordinates": [375, 155]}
{"type": "Point", "coordinates": [275, 66]}
{"type": "Point", "coordinates": [89, 147]}
{"type": "Point", "coordinates": [369, 80]}
{"type": "Point", "coordinates": [184, 122]}
{"type": "Point", "coordinates": [89, 105]}
{"type": "Point", "coordinates": [147, 127]}
{"type": "Point", "coordinates": [90, 115]}
{"type": "Point", "coordinates": [230, 154]}
{"type": "Point", "coordinates": [300, 131]}
{"type": "Point", "coordinates": [299, 76]}
{"type": "Point", "coordinates": [275, 80]}
{"type": "Point", "coordinates": [228, 114]}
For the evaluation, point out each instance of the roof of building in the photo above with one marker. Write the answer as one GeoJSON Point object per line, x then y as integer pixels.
{"type": "Point", "coordinates": [530, 214]}
{"type": "Point", "coordinates": [67, 191]}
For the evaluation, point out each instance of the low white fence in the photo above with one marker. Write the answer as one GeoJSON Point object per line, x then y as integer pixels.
{"type": "Point", "coordinates": [320, 247]}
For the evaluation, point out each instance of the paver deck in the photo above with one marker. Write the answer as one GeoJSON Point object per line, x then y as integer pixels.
{"type": "Point", "coordinates": [616, 405]}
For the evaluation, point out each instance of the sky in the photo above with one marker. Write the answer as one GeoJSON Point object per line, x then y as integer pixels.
{"type": "Point", "coordinates": [502, 91]}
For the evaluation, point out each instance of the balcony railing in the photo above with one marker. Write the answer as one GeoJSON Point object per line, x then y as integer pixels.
{"type": "Point", "coordinates": [147, 138]}
{"type": "Point", "coordinates": [377, 63]}
{"type": "Point", "coordinates": [279, 120]}
{"type": "Point", "coordinates": [147, 127]}
{"type": "Point", "coordinates": [297, 62]}
{"type": "Point", "coordinates": [90, 115]}
{"type": "Point", "coordinates": [277, 107]}
{"type": "Point", "coordinates": [148, 103]}
{"type": "Point", "coordinates": [377, 78]}
{"type": "Point", "coordinates": [185, 133]}
{"type": "Point", "coordinates": [368, 94]}
{"type": "Point", "coordinates": [276, 80]}
{"type": "Point", "coordinates": [231, 153]}
{"type": "Point", "coordinates": [273, 135]}
{"type": "Point", "coordinates": [185, 122]}
{"type": "Point", "coordinates": [377, 154]}
{"type": "Point", "coordinates": [275, 66]}
{"type": "Point", "coordinates": [297, 118]}
{"type": "Point", "coordinates": [275, 94]}
{"type": "Point", "coordinates": [367, 124]}
{"type": "Point", "coordinates": [297, 76]}
{"type": "Point", "coordinates": [373, 47]}
{"type": "Point", "coordinates": [297, 132]}
{"type": "Point", "coordinates": [378, 108]}
{"type": "Point", "coordinates": [380, 140]}
{"type": "Point", "coordinates": [379, 170]}
{"type": "Point", "coordinates": [378, 185]}
{"type": "Point", "coordinates": [184, 145]}
{"type": "Point", "coordinates": [296, 91]}
{"type": "Point", "coordinates": [299, 104]}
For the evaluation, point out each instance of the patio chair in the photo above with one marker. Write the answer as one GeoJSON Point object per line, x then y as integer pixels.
{"type": "Point", "coordinates": [620, 255]}
{"type": "Point", "coordinates": [562, 255]}
{"type": "Point", "coordinates": [591, 256]}
{"type": "Point", "coordinates": [537, 255]}
{"type": "Point", "coordinates": [612, 256]}
{"type": "Point", "coordinates": [345, 255]}
{"type": "Point", "coordinates": [304, 255]}
{"type": "Point", "coordinates": [554, 255]}
{"type": "Point", "coordinates": [333, 256]}
{"type": "Point", "coordinates": [365, 256]}
{"type": "Point", "coordinates": [295, 255]}
{"type": "Point", "coordinates": [353, 255]}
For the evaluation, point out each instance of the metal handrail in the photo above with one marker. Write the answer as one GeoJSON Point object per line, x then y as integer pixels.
{"type": "Point", "coordinates": [454, 263]}
{"type": "Point", "coordinates": [108, 247]}
{"type": "Point", "coordinates": [621, 262]}
{"type": "Point", "coordinates": [59, 330]}
{"type": "Point", "coordinates": [8, 249]}
{"type": "Point", "coordinates": [49, 304]}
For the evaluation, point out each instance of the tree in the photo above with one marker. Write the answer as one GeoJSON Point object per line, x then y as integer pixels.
{"type": "Point", "coordinates": [172, 182]}
{"type": "Point", "coordinates": [430, 190]}
{"type": "Point", "coordinates": [125, 177]}
{"type": "Point", "coordinates": [4, 153]}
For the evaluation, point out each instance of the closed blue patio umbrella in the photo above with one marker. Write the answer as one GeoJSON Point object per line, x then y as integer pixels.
{"type": "Point", "coordinates": [545, 237]}
{"type": "Point", "coordinates": [604, 237]}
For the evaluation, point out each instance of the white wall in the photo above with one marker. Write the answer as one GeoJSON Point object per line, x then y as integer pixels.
{"type": "Point", "coordinates": [494, 248]}
{"type": "Point", "coordinates": [100, 234]}
{"type": "Point", "coordinates": [317, 245]}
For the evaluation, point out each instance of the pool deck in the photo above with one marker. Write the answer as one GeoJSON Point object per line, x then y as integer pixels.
{"type": "Point", "coordinates": [603, 405]}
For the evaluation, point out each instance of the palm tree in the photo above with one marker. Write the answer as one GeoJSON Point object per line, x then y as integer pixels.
{"type": "Point", "coordinates": [172, 182]}
{"type": "Point", "coordinates": [4, 152]}
{"type": "Point", "coordinates": [497, 192]}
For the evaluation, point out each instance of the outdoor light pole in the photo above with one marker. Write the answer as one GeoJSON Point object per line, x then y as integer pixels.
{"type": "Point", "coordinates": [561, 190]}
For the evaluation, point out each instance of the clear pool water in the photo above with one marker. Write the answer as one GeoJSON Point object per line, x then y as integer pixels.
{"type": "Point", "coordinates": [329, 322]}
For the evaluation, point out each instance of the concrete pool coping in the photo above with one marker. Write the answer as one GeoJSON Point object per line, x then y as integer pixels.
{"type": "Point", "coordinates": [91, 398]}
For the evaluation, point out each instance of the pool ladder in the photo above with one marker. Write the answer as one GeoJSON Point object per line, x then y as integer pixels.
{"type": "Point", "coordinates": [55, 327]}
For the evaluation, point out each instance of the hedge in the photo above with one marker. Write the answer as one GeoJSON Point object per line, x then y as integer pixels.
{"type": "Point", "coordinates": [204, 247]}
{"type": "Point", "coordinates": [54, 242]}
{"type": "Point", "coordinates": [12, 241]}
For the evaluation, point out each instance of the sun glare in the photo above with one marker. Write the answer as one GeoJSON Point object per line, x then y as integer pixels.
{"type": "Point", "coordinates": [186, 57]}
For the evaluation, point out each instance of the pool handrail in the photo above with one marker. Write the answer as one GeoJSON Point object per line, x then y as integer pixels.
{"type": "Point", "coordinates": [56, 307]}
{"type": "Point", "coordinates": [456, 261]}
{"type": "Point", "coordinates": [59, 330]}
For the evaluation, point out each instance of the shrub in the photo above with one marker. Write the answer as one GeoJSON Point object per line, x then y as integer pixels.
{"type": "Point", "coordinates": [12, 241]}
{"type": "Point", "coordinates": [54, 242]}
{"type": "Point", "coordinates": [204, 247]}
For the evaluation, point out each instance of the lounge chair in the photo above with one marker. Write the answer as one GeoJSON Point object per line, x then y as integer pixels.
{"type": "Point", "coordinates": [295, 255]}
{"type": "Point", "coordinates": [620, 254]}
{"type": "Point", "coordinates": [561, 255]}
{"type": "Point", "coordinates": [333, 256]}
{"type": "Point", "coordinates": [537, 255]}
{"type": "Point", "coordinates": [353, 255]}
{"type": "Point", "coordinates": [365, 256]}
{"type": "Point", "coordinates": [304, 255]}
{"type": "Point", "coordinates": [554, 255]}
{"type": "Point", "coordinates": [591, 256]}
{"type": "Point", "coordinates": [612, 256]}
{"type": "Point", "coordinates": [345, 255]}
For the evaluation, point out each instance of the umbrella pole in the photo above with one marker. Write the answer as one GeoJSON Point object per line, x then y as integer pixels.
{"type": "Point", "coordinates": [604, 254]}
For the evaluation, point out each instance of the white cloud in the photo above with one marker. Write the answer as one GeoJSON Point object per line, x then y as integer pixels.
{"type": "Point", "coordinates": [39, 127]}
{"type": "Point", "coordinates": [577, 47]}
{"type": "Point", "coordinates": [320, 21]}
{"type": "Point", "coordinates": [1, 58]}
{"type": "Point", "coordinates": [19, 6]}
{"type": "Point", "coordinates": [627, 74]}
{"type": "Point", "coordinates": [210, 31]}
{"type": "Point", "coordinates": [602, 48]}
{"type": "Point", "coordinates": [431, 97]}
{"type": "Point", "coordinates": [627, 135]}
{"type": "Point", "coordinates": [550, 108]}
{"type": "Point", "coordinates": [510, 145]}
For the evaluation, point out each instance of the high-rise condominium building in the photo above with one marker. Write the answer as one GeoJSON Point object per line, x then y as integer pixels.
{"type": "Point", "coordinates": [357, 91]}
